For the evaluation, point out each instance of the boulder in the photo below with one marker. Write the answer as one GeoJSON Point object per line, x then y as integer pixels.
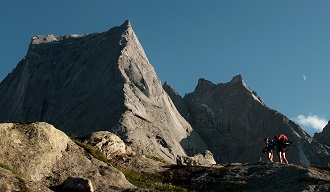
{"type": "Point", "coordinates": [43, 154]}
{"type": "Point", "coordinates": [205, 159]}
{"type": "Point", "coordinates": [107, 142]}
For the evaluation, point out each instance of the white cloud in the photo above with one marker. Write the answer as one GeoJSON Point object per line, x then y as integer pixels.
{"type": "Point", "coordinates": [312, 121]}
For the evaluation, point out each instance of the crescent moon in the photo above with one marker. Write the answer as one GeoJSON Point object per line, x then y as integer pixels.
{"type": "Point", "coordinates": [304, 77]}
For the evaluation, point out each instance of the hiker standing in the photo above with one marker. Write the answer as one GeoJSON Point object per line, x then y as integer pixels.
{"type": "Point", "coordinates": [267, 149]}
{"type": "Point", "coordinates": [283, 144]}
{"type": "Point", "coordinates": [276, 148]}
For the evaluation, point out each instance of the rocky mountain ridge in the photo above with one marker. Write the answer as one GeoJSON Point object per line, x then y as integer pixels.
{"type": "Point", "coordinates": [233, 121]}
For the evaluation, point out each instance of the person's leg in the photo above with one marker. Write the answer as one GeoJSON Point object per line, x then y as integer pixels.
{"type": "Point", "coordinates": [279, 155]}
{"type": "Point", "coordinates": [269, 156]}
{"type": "Point", "coordinates": [284, 158]}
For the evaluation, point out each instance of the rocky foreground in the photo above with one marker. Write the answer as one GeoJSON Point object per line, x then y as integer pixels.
{"type": "Point", "coordinates": [38, 157]}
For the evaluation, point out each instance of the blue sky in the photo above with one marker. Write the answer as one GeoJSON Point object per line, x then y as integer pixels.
{"type": "Point", "coordinates": [280, 47]}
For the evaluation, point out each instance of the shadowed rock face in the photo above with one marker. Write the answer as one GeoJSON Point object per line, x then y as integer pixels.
{"type": "Point", "coordinates": [252, 177]}
{"type": "Point", "coordinates": [180, 104]}
{"type": "Point", "coordinates": [100, 81]}
{"type": "Point", "coordinates": [233, 121]}
{"type": "Point", "coordinates": [324, 136]}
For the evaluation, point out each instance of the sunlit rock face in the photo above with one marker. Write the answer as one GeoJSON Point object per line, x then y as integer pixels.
{"type": "Point", "coordinates": [99, 81]}
{"type": "Point", "coordinates": [233, 121]}
{"type": "Point", "coordinates": [47, 156]}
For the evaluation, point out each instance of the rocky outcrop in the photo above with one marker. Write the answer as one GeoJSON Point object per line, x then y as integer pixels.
{"type": "Point", "coordinates": [205, 159]}
{"type": "Point", "coordinates": [101, 81]}
{"type": "Point", "coordinates": [108, 143]}
{"type": "Point", "coordinates": [324, 136]}
{"type": "Point", "coordinates": [46, 155]}
{"type": "Point", "coordinates": [233, 121]}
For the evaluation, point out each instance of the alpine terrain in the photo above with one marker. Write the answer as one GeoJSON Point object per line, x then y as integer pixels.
{"type": "Point", "coordinates": [89, 113]}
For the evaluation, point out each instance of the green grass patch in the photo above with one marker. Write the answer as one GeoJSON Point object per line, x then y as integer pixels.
{"type": "Point", "coordinates": [156, 158]}
{"type": "Point", "coordinates": [4, 166]}
{"type": "Point", "coordinates": [18, 176]}
{"type": "Point", "coordinates": [149, 180]}
{"type": "Point", "coordinates": [93, 151]}
{"type": "Point", "coordinates": [139, 179]}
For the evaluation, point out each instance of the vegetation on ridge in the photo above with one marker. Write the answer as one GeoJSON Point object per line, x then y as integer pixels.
{"type": "Point", "coordinates": [140, 179]}
{"type": "Point", "coordinates": [18, 176]}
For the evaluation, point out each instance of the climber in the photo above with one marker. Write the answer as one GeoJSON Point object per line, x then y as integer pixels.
{"type": "Point", "coordinates": [283, 144]}
{"type": "Point", "coordinates": [275, 144]}
{"type": "Point", "coordinates": [268, 149]}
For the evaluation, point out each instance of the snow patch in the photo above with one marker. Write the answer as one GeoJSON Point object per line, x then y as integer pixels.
{"type": "Point", "coordinates": [327, 146]}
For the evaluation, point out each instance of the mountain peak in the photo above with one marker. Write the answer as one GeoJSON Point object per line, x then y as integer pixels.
{"type": "Point", "coordinates": [238, 79]}
{"type": "Point", "coordinates": [38, 39]}
{"type": "Point", "coordinates": [204, 84]}
{"type": "Point", "coordinates": [127, 23]}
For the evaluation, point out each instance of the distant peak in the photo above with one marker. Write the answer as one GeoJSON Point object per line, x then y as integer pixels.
{"type": "Point", "coordinates": [238, 79]}
{"type": "Point", "coordinates": [126, 25]}
{"type": "Point", "coordinates": [203, 85]}
{"type": "Point", "coordinates": [204, 81]}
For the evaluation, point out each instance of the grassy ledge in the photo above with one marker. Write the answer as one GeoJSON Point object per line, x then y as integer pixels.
{"type": "Point", "coordinates": [22, 185]}
{"type": "Point", "coordinates": [139, 179]}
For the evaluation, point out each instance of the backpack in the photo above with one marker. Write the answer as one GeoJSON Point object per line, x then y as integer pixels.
{"type": "Point", "coordinates": [283, 140]}
{"type": "Point", "coordinates": [282, 136]}
{"type": "Point", "coordinates": [271, 145]}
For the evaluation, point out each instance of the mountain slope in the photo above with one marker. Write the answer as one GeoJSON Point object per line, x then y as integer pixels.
{"type": "Point", "coordinates": [324, 136]}
{"type": "Point", "coordinates": [233, 121]}
{"type": "Point", "coordinates": [100, 81]}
